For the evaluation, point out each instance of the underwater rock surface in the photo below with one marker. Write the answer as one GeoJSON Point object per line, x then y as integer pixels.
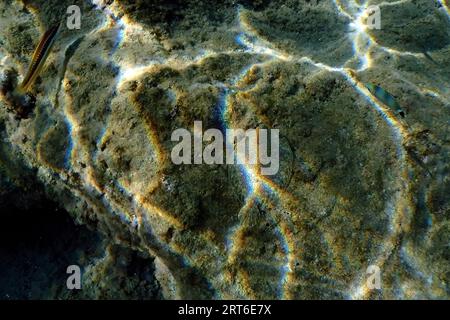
{"type": "Point", "coordinates": [358, 185]}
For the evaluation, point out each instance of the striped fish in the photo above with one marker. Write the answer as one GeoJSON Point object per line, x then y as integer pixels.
{"type": "Point", "coordinates": [385, 97]}
{"type": "Point", "coordinates": [39, 56]}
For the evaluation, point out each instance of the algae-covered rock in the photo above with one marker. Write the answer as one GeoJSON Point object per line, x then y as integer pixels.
{"type": "Point", "coordinates": [358, 186]}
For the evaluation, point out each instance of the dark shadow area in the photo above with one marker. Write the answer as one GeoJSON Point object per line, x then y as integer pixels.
{"type": "Point", "coordinates": [38, 242]}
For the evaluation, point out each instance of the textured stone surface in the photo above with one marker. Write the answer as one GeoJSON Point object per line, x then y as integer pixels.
{"type": "Point", "coordinates": [357, 186]}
